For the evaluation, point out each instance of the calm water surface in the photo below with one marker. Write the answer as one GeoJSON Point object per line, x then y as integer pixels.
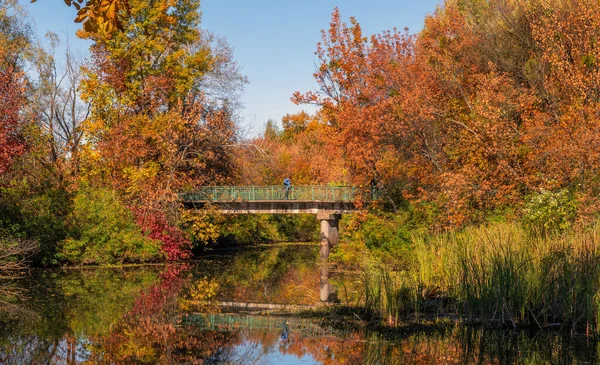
{"type": "Point", "coordinates": [183, 314]}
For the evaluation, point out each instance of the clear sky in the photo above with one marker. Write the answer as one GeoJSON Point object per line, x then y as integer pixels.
{"type": "Point", "coordinates": [274, 40]}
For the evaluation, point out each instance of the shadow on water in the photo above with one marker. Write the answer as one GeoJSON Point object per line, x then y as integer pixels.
{"type": "Point", "coordinates": [173, 315]}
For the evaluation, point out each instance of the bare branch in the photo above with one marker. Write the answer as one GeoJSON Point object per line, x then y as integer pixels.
{"type": "Point", "coordinates": [15, 253]}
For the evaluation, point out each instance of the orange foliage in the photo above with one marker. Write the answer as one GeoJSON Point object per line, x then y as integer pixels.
{"type": "Point", "coordinates": [446, 116]}
{"type": "Point", "coordinates": [303, 151]}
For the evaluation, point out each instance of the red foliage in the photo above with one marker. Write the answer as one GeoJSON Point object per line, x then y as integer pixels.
{"type": "Point", "coordinates": [154, 300]}
{"type": "Point", "coordinates": [174, 244]}
{"type": "Point", "coordinates": [11, 94]}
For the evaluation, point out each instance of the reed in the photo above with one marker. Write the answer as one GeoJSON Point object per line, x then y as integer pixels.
{"type": "Point", "coordinates": [496, 274]}
{"type": "Point", "coordinates": [389, 294]}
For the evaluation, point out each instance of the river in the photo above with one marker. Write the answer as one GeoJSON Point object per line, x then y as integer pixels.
{"type": "Point", "coordinates": [233, 308]}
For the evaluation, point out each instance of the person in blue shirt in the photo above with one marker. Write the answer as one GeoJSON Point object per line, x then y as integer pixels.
{"type": "Point", "coordinates": [288, 186]}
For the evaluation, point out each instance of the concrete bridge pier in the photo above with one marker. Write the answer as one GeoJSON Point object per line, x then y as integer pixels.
{"type": "Point", "coordinates": [329, 238]}
{"type": "Point", "coordinates": [330, 235]}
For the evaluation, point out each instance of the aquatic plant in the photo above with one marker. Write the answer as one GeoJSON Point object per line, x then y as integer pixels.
{"type": "Point", "coordinates": [498, 275]}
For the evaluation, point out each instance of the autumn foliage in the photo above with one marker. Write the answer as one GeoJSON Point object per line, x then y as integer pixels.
{"type": "Point", "coordinates": [174, 244]}
{"type": "Point", "coordinates": [11, 99]}
{"type": "Point", "coordinates": [12, 89]}
{"type": "Point", "coordinates": [99, 150]}
{"type": "Point", "coordinates": [301, 150]}
{"type": "Point", "coordinates": [491, 106]}
{"type": "Point", "coordinates": [489, 103]}
{"type": "Point", "coordinates": [154, 130]}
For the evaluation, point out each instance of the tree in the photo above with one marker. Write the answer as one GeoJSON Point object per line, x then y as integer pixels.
{"type": "Point", "coordinates": [14, 41]}
{"type": "Point", "coordinates": [57, 109]}
{"type": "Point", "coordinates": [564, 129]}
{"type": "Point", "coordinates": [11, 101]}
{"type": "Point", "coordinates": [295, 123]}
{"type": "Point", "coordinates": [428, 116]}
{"type": "Point", "coordinates": [163, 97]}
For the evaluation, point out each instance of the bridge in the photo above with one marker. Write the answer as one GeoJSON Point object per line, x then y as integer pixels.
{"type": "Point", "coordinates": [327, 202]}
{"type": "Point", "coordinates": [277, 199]}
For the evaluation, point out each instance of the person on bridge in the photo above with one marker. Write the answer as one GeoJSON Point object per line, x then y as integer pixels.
{"type": "Point", "coordinates": [288, 186]}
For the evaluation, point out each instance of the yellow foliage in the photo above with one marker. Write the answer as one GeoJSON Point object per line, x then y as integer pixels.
{"type": "Point", "coordinates": [201, 226]}
{"type": "Point", "coordinates": [201, 296]}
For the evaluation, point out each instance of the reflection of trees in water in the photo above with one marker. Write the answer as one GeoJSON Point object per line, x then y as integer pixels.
{"type": "Point", "coordinates": [133, 317]}
{"type": "Point", "coordinates": [285, 274]}
{"type": "Point", "coordinates": [14, 256]}
{"type": "Point", "coordinates": [34, 349]}
{"type": "Point", "coordinates": [61, 309]}
{"type": "Point", "coordinates": [446, 344]}
{"type": "Point", "coordinates": [245, 352]}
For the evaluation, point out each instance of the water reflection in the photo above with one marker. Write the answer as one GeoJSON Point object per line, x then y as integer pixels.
{"type": "Point", "coordinates": [172, 315]}
{"type": "Point", "coordinates": [285, 275]}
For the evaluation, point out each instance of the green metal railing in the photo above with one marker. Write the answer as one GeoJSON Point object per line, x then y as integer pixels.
{"type": "Point", "coordinates": [269, 193]}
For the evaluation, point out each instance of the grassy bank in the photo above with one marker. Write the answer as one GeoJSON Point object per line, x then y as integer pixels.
{"type": "Point", "coordinates": [498, 274]}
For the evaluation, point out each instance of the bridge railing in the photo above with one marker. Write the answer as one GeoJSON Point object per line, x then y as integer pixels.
{"type": "Point", "coordinates": [277, 192]}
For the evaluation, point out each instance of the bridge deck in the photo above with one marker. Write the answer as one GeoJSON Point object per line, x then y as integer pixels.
{"type": "Point", "coordinates": [276, 207]}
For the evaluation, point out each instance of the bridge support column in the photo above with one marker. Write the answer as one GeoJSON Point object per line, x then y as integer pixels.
{"type": "Point", "coordinates": [329, 238]}
{"type": "Point", "coordinates": [330, 235]}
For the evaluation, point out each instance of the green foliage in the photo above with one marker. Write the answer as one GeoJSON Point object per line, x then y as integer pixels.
{"type": "Point", "coordinates": [549, 212]}
{"type": "Point", "coordinates": [266, 228]}
{"type": "Point", "coordinates": [248, 229]}
{"type": "Point", "coordinates": [272, 130]}
{"type": "Point", "coordinates": [104, 232]}
{"type": "Point", "coordinates": [386, 232]}
{"type": "Point", "coordinates": [37, 213]}
{"type": "Point", "coordinates": [297, 227]}
{"type": "Point", "coordinates": [500, 214]}
{"type": "Point", "coordinates": [385, 235]}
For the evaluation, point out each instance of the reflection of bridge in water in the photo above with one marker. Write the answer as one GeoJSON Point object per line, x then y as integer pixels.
{"type": "Point", "coordinates": [327, 202]}
{"type": "Point", "coordinates": [234, 322]}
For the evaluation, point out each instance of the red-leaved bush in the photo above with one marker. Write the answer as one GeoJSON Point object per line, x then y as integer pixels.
{"type": "Point", "coordinates": [155, 225]}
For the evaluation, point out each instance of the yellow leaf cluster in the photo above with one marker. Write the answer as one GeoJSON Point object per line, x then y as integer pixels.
{"type": "Point", "coordinates": [201, 296]}
{"type": "Point", "coordinates": [201, 226]}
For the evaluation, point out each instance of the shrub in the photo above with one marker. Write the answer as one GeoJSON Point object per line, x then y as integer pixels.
{"type": "Point", "coordinates": [385, 235]}
{"type": "Point", "coordinates": [174, 244]}
{"type": "Point", "coordinates": [549, 212]}
{"type": "Point", "coordinates": [104, 232]}
{"type": "Point", "coordinates": [36, 213]}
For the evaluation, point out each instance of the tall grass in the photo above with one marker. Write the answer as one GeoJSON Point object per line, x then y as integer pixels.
{"type": "Point", "coordinates": [389, 294]}
{"type": "Point", "coordinates": [496, 274]}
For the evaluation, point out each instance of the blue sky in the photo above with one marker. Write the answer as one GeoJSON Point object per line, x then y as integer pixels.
{"type": "Point", "coordinates": [273, 40]}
